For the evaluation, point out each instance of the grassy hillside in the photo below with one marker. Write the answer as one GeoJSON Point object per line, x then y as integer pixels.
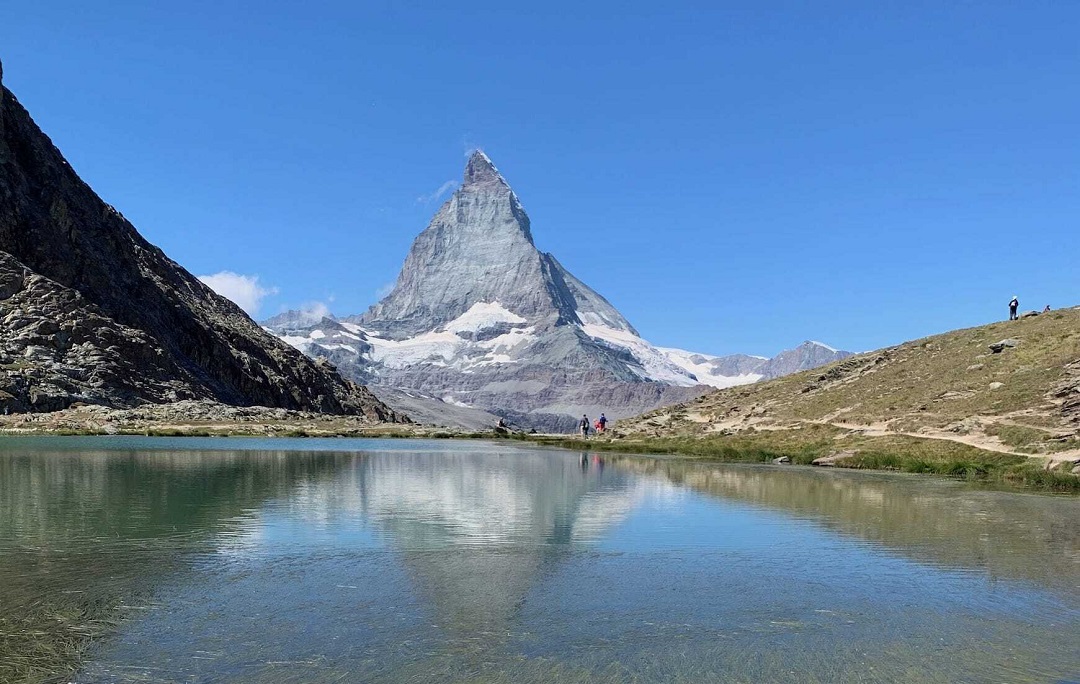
{"type": "Point", "coordinates": [944, 403]}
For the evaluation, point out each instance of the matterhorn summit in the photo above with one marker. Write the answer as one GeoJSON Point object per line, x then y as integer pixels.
{"type": "Point", "coordinates": [480, 318]}
{"type": "Point", "coordinates": [477, 258]}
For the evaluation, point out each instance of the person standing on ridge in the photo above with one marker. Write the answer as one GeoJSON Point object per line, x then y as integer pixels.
{"type": "Point", "coordinates": [584, 426]}
{"type": "Point", "coordinates": [603, 423]}
{"type": "Point", "coordinates": [1014, 304]}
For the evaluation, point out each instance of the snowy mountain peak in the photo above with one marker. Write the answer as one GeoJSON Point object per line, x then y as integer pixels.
{"type": "Point", "coordinates": [824, 346]}
{"type": "Point", "coordinates": [480, 317]}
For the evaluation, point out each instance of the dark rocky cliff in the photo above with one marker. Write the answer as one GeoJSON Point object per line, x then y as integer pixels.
{"type": "Point", "coordinates": [90, 311]}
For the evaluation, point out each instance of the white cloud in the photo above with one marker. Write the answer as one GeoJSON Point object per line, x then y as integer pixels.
{"type": "Point", "coordinates": [443, 189]}
{"type": "Point", "coordinates": [315, 311]}
{"type": "Point", "coordinates": [245, 291]}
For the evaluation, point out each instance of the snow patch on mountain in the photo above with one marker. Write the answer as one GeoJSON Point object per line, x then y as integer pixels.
{"type": "Point", "coordinates": [654, 364]}
{"type": "Point", "coordinates": [597, 318]}
{"type": "Point", "coordinates": [706, 373]}
{"type": "Point", "coordinates": [453, 345]}
{"type": "Point", "coordinates": [481, 316]}
{"type": "Point", "coordinates": [301, 344]}
{"type": "Point", "coordinates": [825, 346]}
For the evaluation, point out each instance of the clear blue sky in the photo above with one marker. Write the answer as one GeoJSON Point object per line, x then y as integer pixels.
{"type": "Point", "coordinates": [732, 177]}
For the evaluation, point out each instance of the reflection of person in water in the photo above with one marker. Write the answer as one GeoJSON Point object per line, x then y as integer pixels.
{"type": "Point", "coordinates": [598, 461]}
{"type": "Point", "coordinates": [584, 462]}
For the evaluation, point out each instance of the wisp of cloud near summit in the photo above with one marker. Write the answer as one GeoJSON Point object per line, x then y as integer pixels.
{"type": "Point", "coordinates": [442, 190]}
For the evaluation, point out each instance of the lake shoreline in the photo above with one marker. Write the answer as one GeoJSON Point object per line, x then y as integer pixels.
{"type": "Point", "coordinates": [810, 447]}
{"type": "Point", "coordinates": [802, 446]}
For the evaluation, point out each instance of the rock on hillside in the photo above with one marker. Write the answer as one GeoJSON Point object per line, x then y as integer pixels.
{"type": "Point", "coordinates": [1025, 398]}
{"type": "Point", "coordinates": [91, 312]}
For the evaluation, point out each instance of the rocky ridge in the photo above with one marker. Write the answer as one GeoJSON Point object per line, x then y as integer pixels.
{"type": "Point", "coordinates": [91, 312]}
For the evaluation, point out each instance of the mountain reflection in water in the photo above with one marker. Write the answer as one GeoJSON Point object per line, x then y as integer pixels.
{"type": "Point", "coordinates": [346, 560]}
{"type": "Point", "coordinates": [931, 520]}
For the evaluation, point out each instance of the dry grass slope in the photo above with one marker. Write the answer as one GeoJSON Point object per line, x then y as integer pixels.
{"type": "Point", "coordinates": [947, 396]}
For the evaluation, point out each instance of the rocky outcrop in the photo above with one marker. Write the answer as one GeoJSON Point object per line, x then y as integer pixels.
{"type": "Point", "coordinates": [92, 312]}
{"type": "Point", "coordinates": [998, 347]}
{"type": "Point", "coordinates": [1067, 391]}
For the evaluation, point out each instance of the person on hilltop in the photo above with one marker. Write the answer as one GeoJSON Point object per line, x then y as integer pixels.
{"type": "Point", "coordinates": [1014, 304]}
{"type": "Point", "coordinates": [1047, 309]}
{"type": "Point", "coordinates": [603, 423]}
{"type": "Point", "coordinates": [584, 426]}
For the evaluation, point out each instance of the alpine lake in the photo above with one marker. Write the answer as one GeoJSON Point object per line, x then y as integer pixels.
{"type": "Point", "coordinates": [131, 559]}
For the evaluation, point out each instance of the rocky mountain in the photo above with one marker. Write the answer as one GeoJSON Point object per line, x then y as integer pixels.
{"type": "Point", "coordinates": [91, 312]}
{"type": "Point", "coordinates": [804, 357]}
{"type": "Point", "coordinates": [480, 318]}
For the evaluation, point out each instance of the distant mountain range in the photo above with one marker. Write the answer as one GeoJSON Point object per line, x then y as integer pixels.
{"type": "Point", "coordinates": [741, 369]}
{"type": "Point", "coordinates": [480, 318]}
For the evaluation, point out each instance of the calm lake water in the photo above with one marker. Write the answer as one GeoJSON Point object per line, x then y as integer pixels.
{"type": "Point", "coordinates": [248, 560]}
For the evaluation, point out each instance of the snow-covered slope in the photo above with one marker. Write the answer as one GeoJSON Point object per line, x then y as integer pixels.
{"type": "Point", "coordinates": [716, 371]}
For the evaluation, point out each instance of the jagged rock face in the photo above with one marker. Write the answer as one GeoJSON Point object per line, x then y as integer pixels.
{"type": "Point", "coordinates": [92, 312]}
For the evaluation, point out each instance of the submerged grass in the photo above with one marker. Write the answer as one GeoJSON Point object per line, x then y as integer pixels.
{"type": "Point", "coordinates": [47, 626]}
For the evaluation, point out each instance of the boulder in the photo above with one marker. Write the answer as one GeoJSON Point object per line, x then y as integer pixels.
{"type": "Point", "coordinates": [832, 459]}
{"type": "Point", "coordinates": [998, 347]}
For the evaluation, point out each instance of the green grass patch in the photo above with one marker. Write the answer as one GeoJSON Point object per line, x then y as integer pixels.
{"type": "Point", "coordinates": [1018, 436]}
{"type": "Point", "coordinates": [894, 453]}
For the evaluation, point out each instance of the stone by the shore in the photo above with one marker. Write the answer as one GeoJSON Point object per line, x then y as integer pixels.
{"type": "Point", "coordinates": [831, 460]}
